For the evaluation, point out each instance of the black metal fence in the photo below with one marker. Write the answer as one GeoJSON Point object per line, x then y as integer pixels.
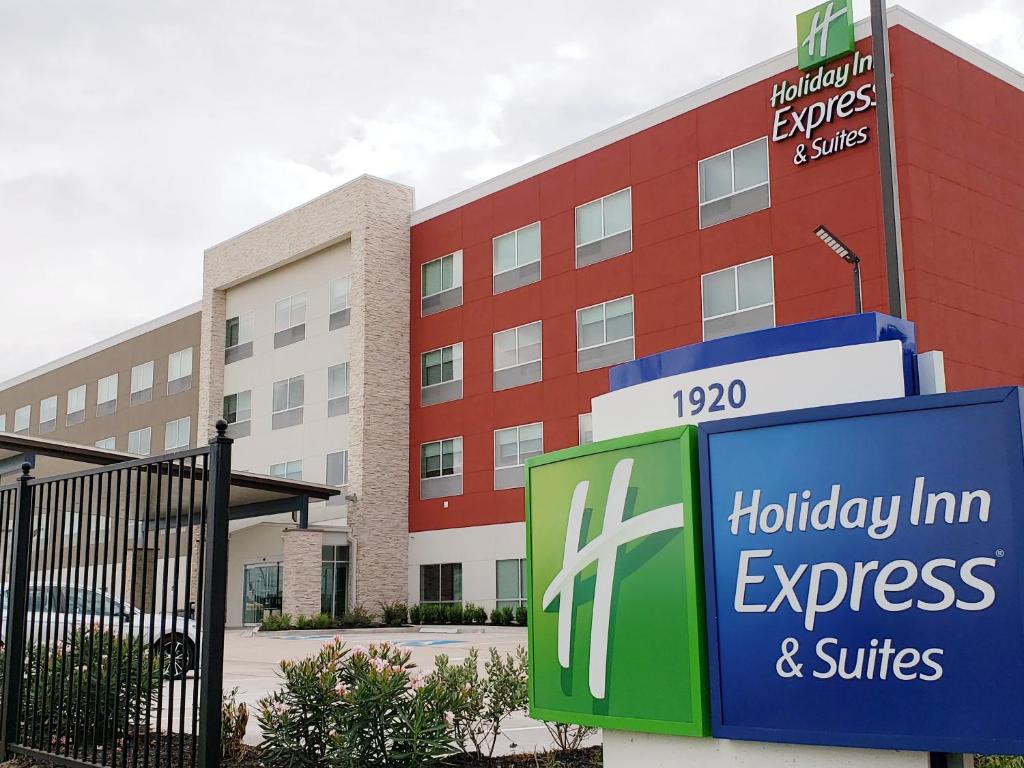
{"type": "Point", "coordinates": [114, 584]}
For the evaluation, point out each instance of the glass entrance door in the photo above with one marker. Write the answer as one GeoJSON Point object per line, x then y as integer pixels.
{"type": "Point", "coordinates": [261, 592]}
{"type": "Point", "coordinates": [334, 580]}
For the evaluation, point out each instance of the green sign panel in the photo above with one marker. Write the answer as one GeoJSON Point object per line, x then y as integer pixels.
{"type": "Point", "coordinates": [824, 34]}
{"type": "Point", "coordinates": [616, 625]}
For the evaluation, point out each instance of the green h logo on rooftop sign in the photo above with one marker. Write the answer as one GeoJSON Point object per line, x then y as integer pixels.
{"type": "Point", "coordinates": [824, 34]}
{"type": "Point", "coordinates": [616, 585]}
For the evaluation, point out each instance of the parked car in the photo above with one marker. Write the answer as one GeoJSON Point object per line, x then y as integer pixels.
{"type": "Point", "coordinates": [53, 617]}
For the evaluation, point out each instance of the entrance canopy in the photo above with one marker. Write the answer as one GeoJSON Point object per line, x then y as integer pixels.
{"type": "Point", "coordinates": [251, 495]}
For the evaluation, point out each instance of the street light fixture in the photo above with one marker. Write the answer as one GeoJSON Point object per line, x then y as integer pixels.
{"type": "Point", "coordinates": [847, 255]}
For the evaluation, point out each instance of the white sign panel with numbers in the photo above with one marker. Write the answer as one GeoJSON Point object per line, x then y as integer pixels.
{"type": "Point", "coordinates": [802, 380]}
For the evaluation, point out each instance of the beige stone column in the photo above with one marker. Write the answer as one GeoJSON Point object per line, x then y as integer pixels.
{"type": "Point", "coordinates": [142, 572]}
{"type": "Point", "coordinates": [300, 571]}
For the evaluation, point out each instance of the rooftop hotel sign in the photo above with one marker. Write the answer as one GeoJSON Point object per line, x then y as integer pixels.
{"type": "Point", "coordinates": [824, 36]}
{"type": "Point", "coordinates": [863, 570]}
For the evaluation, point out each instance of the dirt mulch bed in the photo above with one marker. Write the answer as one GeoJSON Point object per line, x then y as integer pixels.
{"type": "Point", "coordinates": [591, 757]}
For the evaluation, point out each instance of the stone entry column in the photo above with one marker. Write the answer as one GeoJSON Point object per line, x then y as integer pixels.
{"type": "Point", "coordinates": [300, 571]}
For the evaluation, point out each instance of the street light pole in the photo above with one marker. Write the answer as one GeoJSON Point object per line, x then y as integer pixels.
{"type": "Point", "coordinates": [843, 251]}
{"type": "Point", "coordinates": [858, 302]}
{"type": "Point", "coordinates": [887, 160]}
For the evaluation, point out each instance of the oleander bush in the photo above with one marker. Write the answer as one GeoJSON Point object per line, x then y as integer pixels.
{"type": "Point", "coordinates": [344, 708]}
{"type": "Point", "coordinates": [99, 689]}
{"type": "Point", "coordinates": [480, 704]}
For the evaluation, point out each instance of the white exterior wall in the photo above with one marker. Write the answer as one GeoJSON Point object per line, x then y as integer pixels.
{"type": "Point", "coordinates": [478, 548]}
{"type": "Point", "coordinates": [318, 435]}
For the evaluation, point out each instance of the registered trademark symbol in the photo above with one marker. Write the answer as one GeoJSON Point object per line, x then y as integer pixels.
{"type": "Point", "coordinates": [1000, 552]}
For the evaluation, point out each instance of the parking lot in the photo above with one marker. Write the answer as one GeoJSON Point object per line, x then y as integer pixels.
{"type": "Point", "coordinates": [251, 661]}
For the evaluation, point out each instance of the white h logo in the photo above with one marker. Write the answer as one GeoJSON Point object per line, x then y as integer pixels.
{"type": "Point", "coordinates": [820, 28]}
{"type": "Point", "coordinates": [604, 549]}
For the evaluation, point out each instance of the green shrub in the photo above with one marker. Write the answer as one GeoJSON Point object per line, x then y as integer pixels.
{"type": "Point", "coordinates": [501, 617]}
{"type": "Point", "coordinates": [568, 738]}
{"type": "Point", "coordinates": [480, 704]}
{"type": "Point", "coordinates": [276, 623]}
{"type": "Point", "coordinates": [474, 614]}
{"type": "Point", "coordinates": [414, 614]}
{"type": "Point", "coordinates": [342, 709]}
{"type": "Point", "coordinates": [355, 617]}
{"type": "Point", "coordinates": [394, 614]}
{"type": "Point", "coordinates": [455, 613]}
{"type": "Point", "coordinates": [521, 616]}
{"type": "Point", "coordinates": [430, 612]}
{"type": "Point", "coordinates": [998, 761]}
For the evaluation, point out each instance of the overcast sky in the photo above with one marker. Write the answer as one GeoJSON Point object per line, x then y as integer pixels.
{"type": "Point", "coordinates": [135, 134]}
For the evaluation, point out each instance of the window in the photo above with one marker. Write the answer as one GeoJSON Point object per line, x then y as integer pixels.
{"type": "Point", "coordinates": [337, 468]}
{"type": "Point", "coordinates": [289, 395]}
{"type": "Point", "coordinates": [441, 375]}
{"type": "Point", "coordinates": [238, 334]}
{"type": "Point", "coordinates": [738, 299]}
{"type": "Point", "coordinates": [604, 334]}
{"type": "Point", "coordinates": [179, 371]}
{"type": "Point", "coordinates": [604, 228]}
{"type": "Point", "coordinates": [106, 395]}
{"type": "Point", "coordinates": [177, 434]}
{"type": "Point", "coordinates": [586, 428]}
{"type": "Point", "coordinates": [441, 583]}
{"type": "Point", "coordinates": [441, 284]}
{"type": "Point", "coordinates": [510, 584]}
{"type": "Point", "coordinates": [290, 320]}
{"type": "Point", "coordinates": [76, 406]}
{"type": "Point", "coordinates": [512, 447]}
{"type": "Point", "coordinates": [441, 468]}
{"type": "Point", "coordinates": [734, 183]}
{"type": "Point", "coordinates": [139, 441]}
{"type": "Point", "coordinates": [107, 443]}
{"type": "Point", "coordinates": [47, 414]}
{"type": "Point", "coordinates": [516, 258]}
{"type": "Point", "coordinates": [291, 470]}
{"type": "Point", "coordinates": [517, 356]}
{"type": "Point", "coordinates": [3, 422]}
{"type": "Point", "coordinates": [337, 389]}
{"type": "Point", "coordinates": [142, 383]}
{"type": "Point", "coordinates": [340, 289]}
{"type": "Point", "coordinates": [340, 302]}
{"type": "Point", "coordinates": [22, 418]}
{"type": "Point", "coordinates": [237, 413]}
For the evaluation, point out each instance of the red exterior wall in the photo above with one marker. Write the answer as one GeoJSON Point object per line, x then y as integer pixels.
{"type": "Point", "coordinates": [958, 159]}
{"type": "Point", "coordinates": [961, 165]}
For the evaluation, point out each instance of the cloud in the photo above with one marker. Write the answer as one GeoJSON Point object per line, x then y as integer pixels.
{"type": "Point", "coordinates": [132, 136]}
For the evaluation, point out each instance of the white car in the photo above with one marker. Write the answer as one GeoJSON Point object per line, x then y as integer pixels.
{"type": "Point", "coordinates": [51, 614]}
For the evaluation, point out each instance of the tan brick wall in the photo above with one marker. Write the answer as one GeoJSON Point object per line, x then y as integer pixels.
{"type": "Point", "coordinates": [374, 214]}
{"type": "Point", "coordinates": [300, 572]}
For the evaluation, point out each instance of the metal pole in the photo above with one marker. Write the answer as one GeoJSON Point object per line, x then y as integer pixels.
{"type": "Point", "coordinates": [211, 660]}
{"type": "Point", "coordinates": [17, 613]}
{"type": "Point", "coordinates": [858, 302]}
{"type": "Point", "coordinates": [887, 161]}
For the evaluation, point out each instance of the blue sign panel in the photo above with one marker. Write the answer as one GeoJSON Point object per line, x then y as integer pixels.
{"type": "Point", "coordinates": [829, 333]}
{"type": "Point", "coordinates": [864, 574]}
